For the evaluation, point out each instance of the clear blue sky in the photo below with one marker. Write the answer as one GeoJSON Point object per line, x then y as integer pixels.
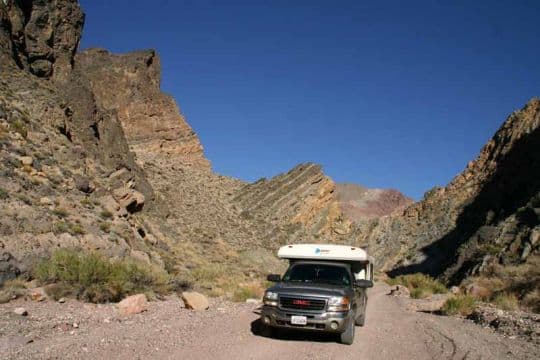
{"type": "Point", "coordinates": [397, 94]}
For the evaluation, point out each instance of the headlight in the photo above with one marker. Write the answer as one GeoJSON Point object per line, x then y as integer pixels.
{"type": "Point", "coordinates": [339, 303]}
{"type": "Point", "coordinates": [270, 295]}
{"type": "Point", "coordinates": [270, 298]}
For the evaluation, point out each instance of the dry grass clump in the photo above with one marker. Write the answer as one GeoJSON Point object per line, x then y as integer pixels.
{"type": "Point", "coordinates": [248, 291]}
{"type": "Point", "coordinates": [512, 287]}
{"type": "Point", "coordinates": [459, 305]}
{"type": "Point", "coordinates": [420, 286]}
{"type": "Point", "coordinates": [506, 301]}
{"type": "Point", "coordinates": [92, 277]}
{"type": "Point", "coordinates": [12, 289]}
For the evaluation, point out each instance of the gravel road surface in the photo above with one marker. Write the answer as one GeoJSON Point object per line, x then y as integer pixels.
{"type": "Point", "coordinates": [231, 331]}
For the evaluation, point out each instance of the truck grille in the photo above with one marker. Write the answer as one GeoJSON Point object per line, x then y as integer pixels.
{"type": "Point", "coordinates": [295, 303]}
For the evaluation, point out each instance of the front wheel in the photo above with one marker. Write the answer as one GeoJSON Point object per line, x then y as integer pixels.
{"type": "Point", "coordinates": [268, 331]}
{"type": "Point", "coordinates": [347, 337]}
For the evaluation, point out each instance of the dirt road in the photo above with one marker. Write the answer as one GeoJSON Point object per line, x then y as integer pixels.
{"type": "Point", "coordinates": [231, 331]}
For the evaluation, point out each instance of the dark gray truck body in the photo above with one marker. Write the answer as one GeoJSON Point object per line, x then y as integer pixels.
{"type": "Point", "coordinates": [311, 300]}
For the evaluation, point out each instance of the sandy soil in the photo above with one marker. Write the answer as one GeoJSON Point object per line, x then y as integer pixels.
{"type": "Point", "coordinates": [231, 331]}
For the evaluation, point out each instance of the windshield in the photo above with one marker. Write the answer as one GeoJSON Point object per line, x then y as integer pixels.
{"type": "Point", "coordinates": [318, 273]}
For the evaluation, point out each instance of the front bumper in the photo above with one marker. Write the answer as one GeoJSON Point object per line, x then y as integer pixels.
{"type": "Point", "coordinates": [281, 318]}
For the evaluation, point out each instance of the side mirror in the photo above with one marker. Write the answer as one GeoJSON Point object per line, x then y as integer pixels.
{"type": "Point", "coordinates": [363, 283]}
{"type": "Point", "coordinates": [274, 278]}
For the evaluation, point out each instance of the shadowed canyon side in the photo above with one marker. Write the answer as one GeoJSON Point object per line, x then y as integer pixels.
{"type": "Point", "coordinates": [486, 219]}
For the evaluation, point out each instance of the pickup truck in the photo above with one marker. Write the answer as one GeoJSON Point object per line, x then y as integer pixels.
{"type": "Point", "coordinates": [324, 289]}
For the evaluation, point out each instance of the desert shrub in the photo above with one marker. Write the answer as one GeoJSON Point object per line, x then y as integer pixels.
{"type": "Point", "coordinates": [60, 212]}
{"type": "Point", "coordinates": [59, 227]}
{"type": "Point", "coordinates": [420, 285]}
{"type": "Point", "coordinates": [12, 289]}
{"type": "Point", "coordinates": [244, 292]}
{"type": "Point", "coordinates": [3, 194]}
{"type": "Point", "coordinates": [76, 229]}
{"type": "Point", "coordinates": [105, 214]}
{"type": "Point", "coordinates": [86, 202]}
{"type": "Point", "coordinates": [180, 285]}
{"type": "Point", "coordinates": [25, 199]}
{"type": "Point", "coordinates": [506, 301]}
{"type": "Point", "coordinates": [20, 127]}
{"type": "Point", "coordinates": [105, 227]}
{"type": "Point", "coordinates": [459, 305]}
{"type": "Point", "coordinates": [92, 277]}
{"type": "Point", "coordinates": [532, 301]}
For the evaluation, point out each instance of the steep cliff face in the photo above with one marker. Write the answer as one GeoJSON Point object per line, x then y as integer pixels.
{"type": "Point", "coordinates": [130, 86]}
{"type": "Point", "coordinates": [488, 215]}
{"type": "Point", "coordinates": [359, 203]}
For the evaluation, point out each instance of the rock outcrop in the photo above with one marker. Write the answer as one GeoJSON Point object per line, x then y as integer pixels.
{"type": "Point", "coordinates": [150, 119]}
{"type": "Point", "coordinates": [303, 197]}
{"type": "Point", "coordinates": [41, 36]}
{"type": "Point", "coordinates": [359, 203]}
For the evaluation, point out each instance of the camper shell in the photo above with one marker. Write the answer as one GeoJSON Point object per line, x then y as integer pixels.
{"type": "Point", "coordinates": [324, 289]}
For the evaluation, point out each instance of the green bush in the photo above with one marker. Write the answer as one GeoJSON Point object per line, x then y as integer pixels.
{"type": "Point", "coordinates": [420, 285]}
{"type": "Point", "coordinates": [461, 304]}
{"type": "Point", "coordinates": [92, 277]}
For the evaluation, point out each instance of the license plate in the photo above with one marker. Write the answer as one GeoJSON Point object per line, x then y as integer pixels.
{"type": "Point", "coordinates": [298, 320]}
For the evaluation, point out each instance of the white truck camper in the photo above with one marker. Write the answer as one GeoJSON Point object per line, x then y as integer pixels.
{"type": "Point", "coordinates": [324, 289]}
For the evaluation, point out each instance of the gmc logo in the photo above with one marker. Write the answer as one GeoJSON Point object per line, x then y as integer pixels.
{"type": "Point", "coordinates": [301, 302]}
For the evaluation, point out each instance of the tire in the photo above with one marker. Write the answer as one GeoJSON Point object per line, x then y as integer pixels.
{"type": "Point", "coordinates": [360, 319]}
{"type": "Point", "coordinates": [347, 337]}
{"type": "Point", "coordinates": [268, 331]}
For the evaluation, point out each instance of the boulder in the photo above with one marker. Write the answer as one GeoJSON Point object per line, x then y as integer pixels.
{"type": "Point", "coordinates": [26, 160]}
{"type": "Point", "coordinates": [455, 290]}
{"type": "Point", "coordinates": [195, 301]}
{"type": "Point", "coordinates": [109, 204]}
{"type": "Point", "coordinates": [400, 290]}
{"type": "Point", "coordinates": [478, 291]}
{"type": "Point", "coordinates": [45, 201]}
{"type": "Point", "coordinates": [130, 199]}
{"type": "Point", "coordinates": [38, 294]}
{"type": "Point", "coordinates": [20, 311]}
{"type": "Point", "coordinates": [83, 184]}
{"type": "Point", "coordinates": [133, 304]}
